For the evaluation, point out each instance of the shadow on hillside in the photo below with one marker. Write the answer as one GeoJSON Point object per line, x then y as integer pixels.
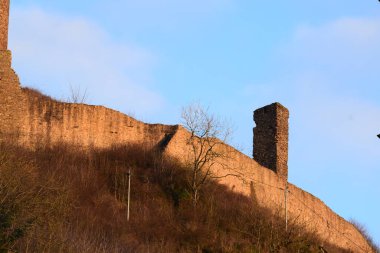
{"type": "Point", "coordinates": [63, 199]}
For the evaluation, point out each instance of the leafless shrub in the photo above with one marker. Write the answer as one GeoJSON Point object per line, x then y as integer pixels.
{"type": "Point", "coordinates": [36, 94]}
{"type": "Point", "coordinates": [29, 202]}
{"type": "Point", "coordinates": [77, 95]}
{"type": "Point", "coordinates": [361, 228]}
{"type": "Point", "coordinates": [207, 135]}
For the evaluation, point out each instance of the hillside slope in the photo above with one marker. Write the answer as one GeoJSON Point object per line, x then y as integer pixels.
{"type": "Point", "coordinates": [63, 199]}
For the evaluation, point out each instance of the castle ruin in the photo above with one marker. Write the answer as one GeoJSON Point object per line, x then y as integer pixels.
{"type": "Point", "coordinates": [32, 120]}
{"type": "Point", "coordinates": [4, 21]}
{"type": "Point", "coordinates": [270, 142]}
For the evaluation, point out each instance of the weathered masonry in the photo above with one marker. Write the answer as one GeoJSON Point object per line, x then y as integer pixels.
{"type": "Point", "coordinates": [4, 20]}
{"type": "Point", "coordinates": [270, 142]}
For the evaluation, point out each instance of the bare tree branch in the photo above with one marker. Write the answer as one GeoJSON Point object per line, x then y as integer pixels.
{"type": "Point", "coordinates": [207, 137]}
{"type": "Point", "coordinates": [77, 95]}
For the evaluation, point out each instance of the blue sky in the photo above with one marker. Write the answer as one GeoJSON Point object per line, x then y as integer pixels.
{"type": "Point", "coordinates": [148, 58]}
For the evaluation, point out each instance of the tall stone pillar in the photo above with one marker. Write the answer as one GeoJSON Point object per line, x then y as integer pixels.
{"type": "Point", "coordinates": [5, 54]}
{"type": "Point", "coordinates": [12, 100]}
{"type": "Point", "coordinates": [4, 21]}
{"type": "Point", "coordinates": [270, 140]}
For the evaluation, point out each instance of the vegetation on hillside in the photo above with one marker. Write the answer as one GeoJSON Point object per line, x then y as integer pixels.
{"type": "Point", "coordinates": [63, 199]}
{"type": "Point", "coordinates": [361, 228]}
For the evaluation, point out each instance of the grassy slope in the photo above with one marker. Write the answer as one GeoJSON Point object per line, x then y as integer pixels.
{"type": "Point", "coordinates": [67, 200]}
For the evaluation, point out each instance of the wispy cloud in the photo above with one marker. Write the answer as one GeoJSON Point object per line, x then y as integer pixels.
{"type": "Point", "coordinates": [163, 15]}
{"type": "Point", "coordinates": [331, 76]}
{"type": "Point", "coordinates": [345, 49]}
{"type": "Point", "coordinates": [335, 122]}
{"type": "Point", "coordinates": [66, 51]}
{"type": "Point", "coordinates": [163, 7]}
{"type": "Point", "coordinates": [336, 78]}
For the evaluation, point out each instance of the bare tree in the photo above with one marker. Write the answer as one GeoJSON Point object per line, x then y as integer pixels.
{"type": "Point", "coordinates": [207, 135]}
{"type": "Point", "coordinates": [77, 96]}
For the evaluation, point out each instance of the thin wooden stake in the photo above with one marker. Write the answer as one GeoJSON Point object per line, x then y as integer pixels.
{"type": "Point", "coordinates": [129, 193]}
{"type": "Point", "coordinates": [286, 207]}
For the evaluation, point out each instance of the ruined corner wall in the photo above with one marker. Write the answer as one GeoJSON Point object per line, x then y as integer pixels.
{"type": "Point", "coordinates": [12, 100]}
{"type": "Point", "coordinates": [48, 122]}
{"type": "Point", "coordinates": [4, 20]}
{"type": "Point", "coordinates": [316, 216]}
{"type": "Point", "coordinates": [33, 120]}
{"type": "Point", "coordinates": [268, 189]}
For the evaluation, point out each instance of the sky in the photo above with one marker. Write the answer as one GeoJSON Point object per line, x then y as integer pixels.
{"type": "Point", "coordinates": [150, 58]}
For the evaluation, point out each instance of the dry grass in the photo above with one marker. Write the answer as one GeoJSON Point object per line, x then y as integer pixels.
{"type": "Point", "coordinates": [364, 232]}
{"type": "Point", "coordinates": [38, 95]}
{"type": "Point", "coordinates": [65, 200]}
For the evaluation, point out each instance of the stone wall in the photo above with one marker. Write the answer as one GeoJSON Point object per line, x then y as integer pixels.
{"type": "Point", "coordinates": [268, 189]}
{"type": "Point", "coordinates": [48, 122]}
{"type": "Point", "coordinates": [34, 120]}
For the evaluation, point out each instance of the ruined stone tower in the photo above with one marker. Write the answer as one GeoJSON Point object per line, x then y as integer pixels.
{"type": "Point", "coordinates": [12, 100]}
{"type": "Point", "coordinates": [5, 55]}
{"type": "Point", "coordinates": [270, 138]}
{"type": "Point", "coordinates": [4, 20]}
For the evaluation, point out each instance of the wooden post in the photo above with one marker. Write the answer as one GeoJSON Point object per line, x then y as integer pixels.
{"type": "Point", "coordinates": [286, 207]}
{"type": "Point", "coordinates": [129, 193]}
